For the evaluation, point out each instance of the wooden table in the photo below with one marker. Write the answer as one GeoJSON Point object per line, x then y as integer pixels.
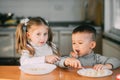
{"type": "Point", "coordinates": [14, 73]}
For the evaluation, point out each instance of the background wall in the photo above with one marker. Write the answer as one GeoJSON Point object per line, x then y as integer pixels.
{"type": "Point", "coordinates": [53, 10]}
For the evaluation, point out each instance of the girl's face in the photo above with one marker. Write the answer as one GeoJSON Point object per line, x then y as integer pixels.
{"type": "Point", "coordinates": [82, 43]}
{"type": "Point", "coordinates": [38, 34]}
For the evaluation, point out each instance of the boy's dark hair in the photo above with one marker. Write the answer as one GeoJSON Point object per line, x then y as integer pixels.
{"type": "Point", "coordinates": [86, 28]}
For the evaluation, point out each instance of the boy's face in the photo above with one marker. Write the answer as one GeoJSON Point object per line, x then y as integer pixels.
{"type": "Point", "coordinates": [82, 43]}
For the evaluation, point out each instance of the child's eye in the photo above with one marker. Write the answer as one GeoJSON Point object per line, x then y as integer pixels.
{"type": "Point", "coordinates": [45, 34]}
{"type": "Point", "coordinates": [38, 34]}
{"type": "Point", "coordinates": [73, 43]}
{"type": "Point", "coordinates": [80, 42]}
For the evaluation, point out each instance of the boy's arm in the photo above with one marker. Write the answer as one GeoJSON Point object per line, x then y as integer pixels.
{"type": "Point", "coordinates": [60, 63]}
{"type": "Point", "coordinates": [114, 62]}
{"type": "Point", "coordinates": [102, 66]}
{"type": "Point", "coordinates": [72, 62]}
{"type": "Point", "coordinates": [66, 62]}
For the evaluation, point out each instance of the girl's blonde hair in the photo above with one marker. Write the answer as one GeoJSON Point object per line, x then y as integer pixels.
{"type": "Point", "coordinates": [22, 40]}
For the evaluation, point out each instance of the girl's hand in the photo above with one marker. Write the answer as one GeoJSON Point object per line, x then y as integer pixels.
{"type": "Point", "coordinates": [73, 54]}
{"type": "Point", "coordinates": [51, 59]}
{"type": "Point", "coordinates": [101, 66]}
{"type": "Point", "coordinates": [72, 62]}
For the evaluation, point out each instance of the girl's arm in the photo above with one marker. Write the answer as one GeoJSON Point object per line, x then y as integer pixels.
{"type": "Point", "coordinates": [51, 59]}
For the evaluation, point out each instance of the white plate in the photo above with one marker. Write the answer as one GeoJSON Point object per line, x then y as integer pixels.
{"type": "Point", "coordinates": [37, 69]}
{"type": "Point", "coordinates": [89, 72]}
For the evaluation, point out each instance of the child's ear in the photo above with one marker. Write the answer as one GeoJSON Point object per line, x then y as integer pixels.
{"type": "Point", "coordinates": [93, 44]}
{"type": "Point", "coordinates": [27, 34]}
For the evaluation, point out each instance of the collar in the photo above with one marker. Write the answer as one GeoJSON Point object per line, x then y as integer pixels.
{"type": "Point", "coordinates": [88, 55]}
{"type": "Point", "coordinates": [34, 45]}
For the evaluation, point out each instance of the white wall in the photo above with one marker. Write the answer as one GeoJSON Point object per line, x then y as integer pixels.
{"type": "Point", "coordinates": [107, 15]}
{"type": "Point", "coordinates": [53, 10]}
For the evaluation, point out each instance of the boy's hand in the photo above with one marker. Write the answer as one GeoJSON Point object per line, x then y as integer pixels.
{"type": "Point", "coordinates": [101, 66]}
{"type": "Point", "coordinates": [72, 62]}
{"type": "Point", "coordinates": [74, 54]}
{"type": "Point", "coordinates": [98, 66]}
{"type": "Point", "coordinates": [51, 58]}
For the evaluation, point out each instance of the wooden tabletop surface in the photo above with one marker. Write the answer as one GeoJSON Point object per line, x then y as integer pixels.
{"type": "Point", "coordinates": [14, 73]}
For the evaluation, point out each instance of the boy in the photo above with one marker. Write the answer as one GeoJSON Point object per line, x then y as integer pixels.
{"type": "Point", "coordinates": [83, 43]}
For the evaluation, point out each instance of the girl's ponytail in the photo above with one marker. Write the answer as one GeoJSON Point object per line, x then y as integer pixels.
{"type": "Point", "coordinates": [21, 39]}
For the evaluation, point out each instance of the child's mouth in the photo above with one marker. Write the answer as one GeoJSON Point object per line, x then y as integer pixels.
{"type": "Point", "coordinates": [77, 51]}
{"type": "Point", "coordinates": [41, 42]}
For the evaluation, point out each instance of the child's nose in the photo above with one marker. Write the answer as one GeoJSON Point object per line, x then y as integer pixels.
{"type": "Point", "coordinates": [41, 37]}
{"type": "Point", "coordinates": [76, 46]}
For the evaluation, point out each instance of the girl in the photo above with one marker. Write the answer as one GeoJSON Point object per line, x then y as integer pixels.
{"type": "Point", "coordinates": [34, 42]}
